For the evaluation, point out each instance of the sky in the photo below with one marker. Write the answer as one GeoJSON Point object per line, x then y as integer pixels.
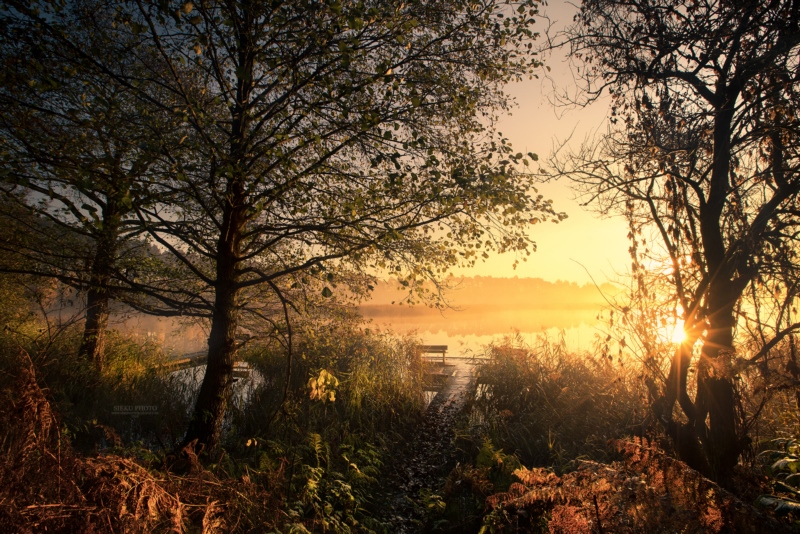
{"type": "Point", "coordinates": [584, 246]}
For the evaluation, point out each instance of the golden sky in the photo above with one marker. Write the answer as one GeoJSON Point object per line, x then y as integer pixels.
{"type": "Point", "coordinates": [537, 125]}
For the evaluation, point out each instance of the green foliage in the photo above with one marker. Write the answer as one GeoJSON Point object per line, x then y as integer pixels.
{"type": "Point", "coordinates": [377, 380]}
{"type": "Point", "coordinates": [500, 466]}
{"type": "Point", "coordinates": [781, 462]}
{"type": "Point", "coordinates": [431, 506]}
{"type": "Point", "coordinates": [335, 448]}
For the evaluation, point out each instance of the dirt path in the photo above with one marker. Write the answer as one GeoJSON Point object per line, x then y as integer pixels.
{"type": "Point", "coordinates": [430, 453]}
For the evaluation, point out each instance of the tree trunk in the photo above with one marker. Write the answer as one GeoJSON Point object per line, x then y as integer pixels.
{"type": "Point", "coordinates": [683, 435]}
{"type": "Point", "coordinates": [715, 399]}
{"type": "Point", "coordinates": [93, 343]}
{"type": "Point", "coordinates": [715, 390]}
{"type": "Point", "coordinates": [97, 298]}
{"type": "Point", "coordinates": [205, 427]}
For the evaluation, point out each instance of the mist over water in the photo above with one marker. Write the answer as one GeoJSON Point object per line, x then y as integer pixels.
{"type": "Point", "coordinates": [487, 309]}
{"type": "Point", "coordinates": [484, 309]}
{"type": "Point", "coordinates": [470, 330]}
{"type": "Point", "coordinates": [176, 336]}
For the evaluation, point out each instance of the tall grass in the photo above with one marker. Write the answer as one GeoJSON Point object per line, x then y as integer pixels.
{"type": "Point", "coordinates": [549, 406]}
{"type": "Point", "coordinates": [353, 395]}
{"type": "Point", "coordinates": [378, 385]}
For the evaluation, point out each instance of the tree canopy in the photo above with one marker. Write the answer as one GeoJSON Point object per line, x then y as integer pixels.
{"type": "Point", "coordinates": [293, 140]}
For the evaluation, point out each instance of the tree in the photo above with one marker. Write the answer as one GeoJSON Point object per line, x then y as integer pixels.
{"type": "Point", "coordinates": [72, 157]}
{"type": "Point", "coordinates": [702, 149]}
{"type": "Point", "coordinates": [318, 137]}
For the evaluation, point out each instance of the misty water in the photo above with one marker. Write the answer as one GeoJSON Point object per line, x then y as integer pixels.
{"type": "Point", "coordinates": [484, 310]}
{"type": "Point", "coordinates": [487, 309]}
{"type": "Point", "coordinates": [468, 331]}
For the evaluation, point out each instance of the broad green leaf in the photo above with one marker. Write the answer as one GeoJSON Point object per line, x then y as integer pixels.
{"type": "Point", "coordinates": [789, 464]}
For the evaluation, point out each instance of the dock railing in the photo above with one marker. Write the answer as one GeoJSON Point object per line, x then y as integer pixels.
{"type": "Point", "coordinates": [195, 359]}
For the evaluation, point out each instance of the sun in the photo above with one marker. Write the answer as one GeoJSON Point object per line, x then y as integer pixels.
{"type": "Point", "coordinates": [678, 334]}
{"type": "Point", "coordinates": [672, 332]}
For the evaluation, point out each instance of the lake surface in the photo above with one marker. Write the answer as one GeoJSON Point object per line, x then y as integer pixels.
{"type": "Point", "coordinates": [484, 310]}
{"type": "Point", "coordinates": [469, 330]}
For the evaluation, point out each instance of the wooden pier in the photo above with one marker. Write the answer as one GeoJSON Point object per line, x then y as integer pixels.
{"type": "Point", "coordinates": [434, 349]}
{"type": "Point", "coordinates": [196, 359]}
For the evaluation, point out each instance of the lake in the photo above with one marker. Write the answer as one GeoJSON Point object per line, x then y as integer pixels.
{"type": "Point", "coordinates": [484, 310]}
{"type": "Point", "coordinates": [468, 330]}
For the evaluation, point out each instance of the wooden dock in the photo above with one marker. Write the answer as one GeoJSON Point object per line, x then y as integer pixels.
{"type": "Point", "coordinates": [196, 359]}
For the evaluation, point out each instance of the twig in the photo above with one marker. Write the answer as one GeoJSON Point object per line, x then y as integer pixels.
{"type": "Point", "coordinates": [597, 512]}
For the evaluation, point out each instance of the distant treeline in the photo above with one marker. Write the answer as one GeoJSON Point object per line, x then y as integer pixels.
{"type": "Point", "coordinates": [516, 293]}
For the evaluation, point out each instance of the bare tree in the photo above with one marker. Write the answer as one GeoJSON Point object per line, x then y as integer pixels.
{"type": "Point", "coordinates": [702, 150]}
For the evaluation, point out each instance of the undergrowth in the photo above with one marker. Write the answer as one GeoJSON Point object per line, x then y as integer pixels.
{"type": "Point", "coordinates": [304, 449]}
{"type": "Point", "coordinates": [549, 406]}
{"type": "Point", "coordinates": [556, 442]}
{"type": "Point", "coordinates": [552, 441]}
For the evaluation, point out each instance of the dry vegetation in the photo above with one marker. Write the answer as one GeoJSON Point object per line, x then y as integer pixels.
{"type": "Point", "coordinates": [646, 491]}
{"type": "Point", "coordinates": [553, 442]}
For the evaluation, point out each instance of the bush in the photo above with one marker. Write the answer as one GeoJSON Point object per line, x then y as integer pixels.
{"type": "Point", "coordinates": [647, 491]}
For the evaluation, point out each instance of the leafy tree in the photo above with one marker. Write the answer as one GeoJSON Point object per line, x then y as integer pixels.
{"type": "Point", "coordinates": [701, 157]}
{"type": "Point", "coordinates": [316, 138]}
{"type": "Point", "coordinates": [71, 156]}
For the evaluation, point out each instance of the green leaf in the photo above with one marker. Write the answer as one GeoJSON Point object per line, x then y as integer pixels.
{"type": "Point", "coordinates": [786, 465]}
{"type": "Point", "coordinates": [327, 293]}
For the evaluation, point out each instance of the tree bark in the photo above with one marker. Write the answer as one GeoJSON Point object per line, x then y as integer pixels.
{"type": "Point", "coordinates": [205, 427]}
{"type": "Point", "coordinates": [684, 436]}
{"type": "Point", "coordinates": [97, 298]}
{"type": "Point", "coordinates": [716, 397]}
{"type": "Point", "coordinates": [93, 343]}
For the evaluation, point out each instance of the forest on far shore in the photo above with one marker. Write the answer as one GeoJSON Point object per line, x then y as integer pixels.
{"type": "Point", "coordinates": [485, 292]}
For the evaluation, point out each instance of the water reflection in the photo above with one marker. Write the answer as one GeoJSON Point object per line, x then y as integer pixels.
{"type": "Point", "coordinates": [486, 309]}
{"type": "Point", "coordinates": [469, 330]}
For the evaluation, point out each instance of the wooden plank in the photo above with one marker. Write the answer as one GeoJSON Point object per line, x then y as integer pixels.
{"type": "Point", "coordinates": [432, 348]}
{"type": "Point", "coordinates": [240, 369]}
